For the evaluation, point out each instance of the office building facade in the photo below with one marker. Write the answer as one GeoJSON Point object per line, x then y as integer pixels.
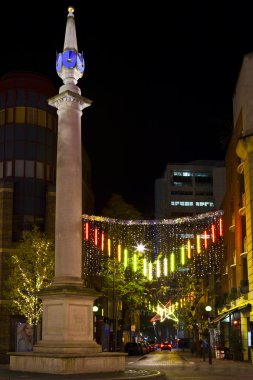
{"type": "Point", "coordinates": [188, 189]}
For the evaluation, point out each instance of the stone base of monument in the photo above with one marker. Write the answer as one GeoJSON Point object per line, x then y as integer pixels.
{"type": "Point", "coordinates": [67, 363]}
{"type": "Point", "coordinates": [67, 345]}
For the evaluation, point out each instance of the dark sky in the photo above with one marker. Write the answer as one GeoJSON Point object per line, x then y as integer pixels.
{"type": "Point", "coordinates": [161, 77]}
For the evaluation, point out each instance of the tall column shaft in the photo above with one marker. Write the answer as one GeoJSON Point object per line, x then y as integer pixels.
{"type": "Point", "coordinates": [68, 227]}
{"type": "Point", "coordinates": [68, 221]}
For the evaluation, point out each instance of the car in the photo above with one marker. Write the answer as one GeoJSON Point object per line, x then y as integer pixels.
{"type": "Point", "coordinates": [157, 346]}
{"type": "Point", "coordinates": [166, 346]}
{"type": "Point", "coordinates": [144, 348]}
{"type": "Point", "coordinates": [133, 348]}
{"type": "Point", "coordinates": [151, 347]}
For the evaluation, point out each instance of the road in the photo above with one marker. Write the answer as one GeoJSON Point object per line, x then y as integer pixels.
{"type": "Point", "coordinates": [182, 365]}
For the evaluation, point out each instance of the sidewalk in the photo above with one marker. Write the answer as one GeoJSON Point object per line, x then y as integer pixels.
{"type": "Point", "coordinates": [186, 355]}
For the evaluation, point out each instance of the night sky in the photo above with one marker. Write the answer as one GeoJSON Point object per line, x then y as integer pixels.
{"type": "Point", "coordinates": [161, 77]}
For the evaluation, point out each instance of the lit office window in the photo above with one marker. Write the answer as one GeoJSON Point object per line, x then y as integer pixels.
{"type": "Point", "coordinates": [182, 174]}
{"type": "Point", "coordinates": [202, 174]}
{"type": "Point", "coordinates": [19, 168]}
{"type": "Point", "coordinates": [182, 203]}
{"type": "Point", "coordinates": [48, 172]}
{"type": "Point", "coordinates": [39, 170]}
{"type": "Point", "coordinates": [2, 117]}
{"type": "Point", "coordinates": [20, 115]}
{"type": "Point", "coordinates": [29, 169]}
{"type": "Point", "coordinates": [181, 178]}
{"type": "Point", "coordinates": [9, 115]}
{"type": "Point", "coordinates": [42, 118]}
{"type": "Point", "coordinates": [31, 115]}
{"type": "Point", "coordinates": [205, 204]}
{"type": "Point", "coordinates": [8, 168]}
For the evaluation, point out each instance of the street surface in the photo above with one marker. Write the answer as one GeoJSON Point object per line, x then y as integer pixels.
{"type": "Point", "coordinates": [183, 365]}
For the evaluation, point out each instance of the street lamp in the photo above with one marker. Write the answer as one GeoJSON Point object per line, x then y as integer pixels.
{"type": "Point", "coordinates": [209, 309]}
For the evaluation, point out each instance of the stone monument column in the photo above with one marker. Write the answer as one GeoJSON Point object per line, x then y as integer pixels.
{"type": "Point", "coordinates": [67, 324]}
{"type": "Point", "coordinates": [67, 345]}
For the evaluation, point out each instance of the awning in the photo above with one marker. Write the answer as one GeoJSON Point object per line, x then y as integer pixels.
{"type": "Point", "coordinates": [219, 318]}
{"type": "Point", "coordinates": [224, 315]}
{"type": "Point", "coordinates": [245, 307]}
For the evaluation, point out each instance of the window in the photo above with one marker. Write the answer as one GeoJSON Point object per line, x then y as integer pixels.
{"type": "Point", "coordinates": [181, 181]}
{"type": "Point", "coordinates": [182, 174]}
{"type": "Point", "coordinates": [19, 132]}
{"type": "Point", "coordinates": [31, 132]}
{"type": "Point", "coordinates": [48, 172]}
{"type": "Point", "coordinates": [9, 150]}
{"type": "Point", "coordinates": [29, 169]}
{"type": "Point", "coordinates": [2, 117]}
{"type": "Point", "coordinates": [8, 168]}
{"type": "Point", "coordinates": [9, 133]}
{"type": "Point", "coordinates": [181, 192]}
{"type": "Point", "coordinates": [1, 169]}
{"type": "Point", "coordinates": [181, 203]}
{"type": "Point", "coordinates": [203, 177]}
{"type": "Point", "coordinates": [2, 152]}
{"type": "Point", "coordinates": [205, 204]}
{"type": "Point", "coordinates": [31, 115]}
{"type": "Point", "coordinates": [19, 168]}
{"type": "Point", "coordinates": [19, 149]}
{"type": "Point", "coordinates": [49, 121]}
{"type": "Point", "coordinates": [9, 115]}
{"type": "Point", "coordinates": [20, 115]}
{"type": "Point", "coordinates": [40, 170]}
{"type": "Point", "coordinates": [42, 118]}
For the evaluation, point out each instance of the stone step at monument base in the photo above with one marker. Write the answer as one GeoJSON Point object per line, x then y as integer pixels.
{"type": "Point", "coordinates": [67, 363]}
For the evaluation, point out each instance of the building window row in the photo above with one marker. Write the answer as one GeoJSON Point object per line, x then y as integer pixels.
{"type": "Point", "coordinates": [187, 173]}
{"type": "Point", "coordinates": [191, 204]}
{"type": "Point", "coordinates": [205, 204]}
{"type": "Point", "coordinates": [186, 192]}
{"type": "Point", "coordinates": [181, 192]}
{"type": "Point", "coordinates": [28, 115]}
{"type": "Point", "coordinates": [182, 203]}
{"type": "Point", "coordinates": [182, 173]}
{"type": "Point", "coordinates": [181, 181]}
{"type": "Point", "coordinates": [27, 169]}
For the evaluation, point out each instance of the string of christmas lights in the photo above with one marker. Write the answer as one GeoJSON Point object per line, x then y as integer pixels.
{"type": "Point", "coordinates": [192, 244]}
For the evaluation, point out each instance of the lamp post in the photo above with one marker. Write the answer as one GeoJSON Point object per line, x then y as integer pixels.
{"type": "Point", "coordinates": [95, 309]}
{"type": "Point", "coordinates": [114, 310]}
{"type": "Point", "coordinates": [209, 309]}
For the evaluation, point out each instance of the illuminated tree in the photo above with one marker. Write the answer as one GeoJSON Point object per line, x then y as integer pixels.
{"type": "Point", "coordinates": [118, 208]}
{"type": "Point", "coordinates": [31, 269]}
{"type": "Point", "coordinates": [127, 284]}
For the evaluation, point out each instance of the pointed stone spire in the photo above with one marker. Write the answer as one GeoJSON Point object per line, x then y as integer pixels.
{"type": "Point", "coordinates": [70, 64]}
{"type": "Point", "coordinates": [70, 42]}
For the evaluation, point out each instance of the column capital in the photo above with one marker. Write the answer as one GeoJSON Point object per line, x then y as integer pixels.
{"type": "Point", "coordinates": [69, 96]}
